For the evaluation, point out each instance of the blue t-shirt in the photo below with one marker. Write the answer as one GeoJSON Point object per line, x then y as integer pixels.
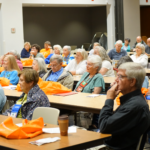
{"type": "Point", "coordinates": [116, 56]}
{"type": "Point", "coordinates": [145, 83]}
{"type": "Point", "coordinates": [11, 75]}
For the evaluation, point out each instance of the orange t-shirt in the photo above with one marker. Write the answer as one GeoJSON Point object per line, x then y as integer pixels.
{"type": "Point", "coordinates": [46, 52]}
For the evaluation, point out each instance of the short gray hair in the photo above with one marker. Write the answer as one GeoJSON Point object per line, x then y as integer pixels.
{"type": "Point", "coordinates": [96, 60]}
{"type": "Point", "coordinates": [14, 52]}
{"type": "Point", "coordinates": [59, 48]}
{"type": "Point", "coordinates": [83, 53]}
{"type": "Point", "coordinates": [102, 53]}
{"type": "Point", "coordinates": [68, 47]}
{"type": "Point", "coordinates": [134, 71]}
{"type": "Point", "coordinates": [47, 42]}
{"type": "Point", "coordinates": [56, 57]}
{"type": "Point", "coordinates": [119, 42]}
{"type": "Point", "coordinates": [142, 47]}
{"type": "Point", "coordinates": [41, 64]}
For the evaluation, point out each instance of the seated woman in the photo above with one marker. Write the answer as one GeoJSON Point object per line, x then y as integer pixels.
{"type": "Point", "coordinates": [31, 98]}
{"type": "Point", "coordinates": [126, 45]}
{"type": "Point", "coordinates": [106, 69]}
{"type": "Point", "coordinates": [10, 69]}
{"type": "Point", "coordinates": [25, 53]}
{"type": "Point", "coordinates": [140, 56]}
{"type": "Point", "coordinates": [78, 65]}
{"type": "Point", "coordinates": [39, 66]}
{"type": "Point", "coordinates": [57, 51]}
{"type": "Point", "coordinates": [92, 81]}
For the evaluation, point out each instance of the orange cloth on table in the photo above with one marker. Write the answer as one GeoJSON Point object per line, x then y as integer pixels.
{"type": "Point", "coordinates": [27, 62]}
{"type": "Point", "coordinates": [46, 52]}
{"type": "Point", "coordinates": [143, 90]}
{"type": "Point", "coordinates": [50, 87]}
{"type": "Point", "coordinates": [29, 129]}
{"type": "Point", "coordinates": [1, 69]}
{"type": "Point", "coordinates": [4, 81]}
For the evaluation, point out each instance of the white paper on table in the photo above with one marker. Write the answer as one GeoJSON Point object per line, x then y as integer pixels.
{"type": "Point", "coordinates": [19, 124]}
{"type": "Point", "coordinates": [93, 95]}
{"type": "Point", "coordinates": [10, 87]}
{"type": "Point", "coordinates": [44, 141]}
{"type": "Point", "coordinates": [56, 130]}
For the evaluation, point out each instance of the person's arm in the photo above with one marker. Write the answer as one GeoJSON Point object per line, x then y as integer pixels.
{"type": "Point", "coordinates": [81, 69]}
{"type": "Point", "coordinates": [14, 78]}
{"type": "Point", "coordinates": [125, 53]}
{"type": "Point", "coordinates": [97, 90]}
{"type": "Point", "coordinates": [144, 61]}
{"type": "Point", "coordinates": [69, 66]}
{"type": "Point", "coordinates": [47, 60]}
{"type": "Point", "coordinates": [68, 82]}
{"type": "Point", "coordinates": [103, 71]}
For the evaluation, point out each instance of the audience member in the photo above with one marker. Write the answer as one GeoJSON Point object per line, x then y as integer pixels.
{"type": "Point", "coordinates": [131, 119]}
{"type": "Point", "coordinates": [57, 51]}
{"type": "Point", "coordinates": [47, 50]}
{"type": "Point", "coordinates": [2, 99]}
{"type": "Point", "coordinates": [91, 52]}
{"type": "Point", "coordinates": [117, 52]}
{"type": "Point", "coordinates": [25, 53]}
{"type": "Point", "coordinates": [140, 56]}
{"type": "Point", "coordinates": [39, 66]}
{"type": "Point", "coordinates": [10, 69]}
{"type": "Point", "coordinates": [78, 65]}
{"type": "Point", "coordinates": [57, 73]}
{"type": "Point", "coordinates": [147, 48]}
{"type": "Point", "coordinates": [35, 52]}
{"type": "Point", "coordinates": [106, 69]}
{"type": "Point", "coordinates": [66, 53]}
{"type": "Point", "coordinates": [31, 98]}
{"type": "Point", "coordinates": [126, 45]}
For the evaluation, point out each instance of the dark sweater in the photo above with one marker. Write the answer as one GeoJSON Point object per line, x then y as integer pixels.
{"type": "Point", "coordinates": [147, 49]}
{"type": "Point", "coordinates": [127, 123]}
{"type": "Point", "coordinates": [24, 53]}
{"type": "Point", "coordinates": [134, 46]}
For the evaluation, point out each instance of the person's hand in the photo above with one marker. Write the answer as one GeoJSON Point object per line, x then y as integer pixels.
{"type": "Point", "coordinates": [113, 83]}
{"type": "Point", "coordinates": [113, 92]}
{"type": "Point", "coordinates": [134, 49]}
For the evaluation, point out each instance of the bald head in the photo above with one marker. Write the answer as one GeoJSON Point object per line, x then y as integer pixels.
{"type": "Point", "coordinates": [148, 42]}
{"type": "Point", "coordinates": [139, 39]}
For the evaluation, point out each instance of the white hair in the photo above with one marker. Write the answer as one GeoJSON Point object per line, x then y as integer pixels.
{"type": "Point", "coordinates": [56, 57]}
{"type": "Point", "coordinates": [14, 52]}
{"type": "Point", "coordinates": [68, 48]}
{"type": "Point", "coordinates": [83, 53]}
{"type": "Point", "coordinates": [41, 64]}
{"type": "Point", "coordinates": [142, 47]}
{"type": "Point", "coordinates": [119, 42]}
{"type": "Point", "coordinates": [59, 48]}
{"type": "Point", "coordinates": [134, 71]}
{"type": "Point", "coordinates": [96, 60]}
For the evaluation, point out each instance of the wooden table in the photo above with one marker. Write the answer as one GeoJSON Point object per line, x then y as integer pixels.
{"type": "Point", "coordinates": [75, 141]}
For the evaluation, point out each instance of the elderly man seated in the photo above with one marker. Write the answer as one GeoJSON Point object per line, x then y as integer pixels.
{"type": "Point", "coordinates": [57, 73]}
{"type": "Point", "coordinates": [131, 119]}
{"type": "Point", "coordinates": [66, 53]}
{"type": "Point", "coordinates": [117, 52]}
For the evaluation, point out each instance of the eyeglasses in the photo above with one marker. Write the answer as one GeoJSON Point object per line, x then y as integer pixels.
{"type": "Point", "coordinates": [120, 76]}
{"type": "Point", "coordinates": [53, 66]}
{"type": "Point", "coordinates": [90, 65]}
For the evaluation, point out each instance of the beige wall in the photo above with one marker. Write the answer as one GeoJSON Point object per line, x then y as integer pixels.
{"type": "Point", "coordinates": [131, 19]}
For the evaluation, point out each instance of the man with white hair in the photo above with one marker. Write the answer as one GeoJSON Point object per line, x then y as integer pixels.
{"type": "Point", "coordinates": [138, 40]}
{"type": "Point", "coordinates": [117, 52]}
{"type": "Point", "coordinates": [66, 53]}
{"type": "Point", "coordinates": [131, 119]}
{"type": "Point", "coordinates": [147, 48]}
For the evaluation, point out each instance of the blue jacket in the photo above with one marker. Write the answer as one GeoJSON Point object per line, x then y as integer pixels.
{"type": "Point", "coordinates": [2, 98]}
{"type": "Point", "coordinates": [128, 49]}
{"type": "Point", "coordinates": [35, 98]}
{"type": "Point", "coordinates": [11, 75]}
{"type": "Point", "coordinates": [24, 53]}
{"type": "Point", "coordinates": [47, 60]}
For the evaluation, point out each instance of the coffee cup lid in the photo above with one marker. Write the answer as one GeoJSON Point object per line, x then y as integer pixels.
{"type": "Point", "coordinates": [63, 117]}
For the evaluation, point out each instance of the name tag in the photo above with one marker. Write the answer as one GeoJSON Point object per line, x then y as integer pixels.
{"type": "Point", "coordinates": [15, 110]}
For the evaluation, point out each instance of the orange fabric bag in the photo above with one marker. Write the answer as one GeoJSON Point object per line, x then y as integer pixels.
{"type": "Point", "coordinates": [27, 62]}
{"type": "Point", "coordinates": [4, 81]}
{"type": "Point", "coordinates": [1, 69]}
{"type": "Point", "coordinates": [29, 129]}
{"type": "Point", "coordinates": [143, 90]}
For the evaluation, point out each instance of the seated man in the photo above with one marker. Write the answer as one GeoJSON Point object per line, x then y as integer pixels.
{"type": "Point", "coordinates": [117, 52]}
{"type": "Point", "coordinates": [138, 40]}
{"type": "Point", "coordinates": [131, 119]}
{"type": "Point", "coordinates": [35, 52]}
{"type": "Point", "coordinates": [91, 52]}
{"type": "Point", "coordinates": [66, 53]}
{"type": "Point", "coordinates": [147, 48]}
{"type": "Point", "coordinates": [58, 73]}
{"type": "Point", "coordinates": [47, 50]}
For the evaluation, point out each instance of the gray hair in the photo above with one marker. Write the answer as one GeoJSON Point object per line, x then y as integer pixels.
{"type": "Point", "coordinates": [134, 71]}
{"type": "Point", "coordinates": [83, 53]}
{"type": "Point", "coordinates": [41, 64]}
{"type": "Point", "coordinates": [124, 59]}
{"type": "Point", "coordinates": [119, 42]}
{"type": "Point", "coordinates": [47, 42]}
{"type": "Point", "coordinates": [59, 48]}
{"type": "Point", "coordinates": [68, 48]}
{"type": "Point", "coordinates": [56, 57]}
{"type": "Point", "coordinates": [96, 60]}
{"type": "Point", "coordinates": [14, 52]}
{"type": "Point", "coordinates": [142, 47]}
{"type": "Point", "coordinates": [102, 53]}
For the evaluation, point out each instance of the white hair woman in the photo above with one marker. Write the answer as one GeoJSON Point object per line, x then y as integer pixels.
{"type": "Point", "coordinates": [78, 65]}
{"type": "Point", "coordinates": [66, 53]}
{"type": "Point", "coordinates": [57, 51]}
{"type": "Point", "coordinates": [39, 66]}
{"type": "Point", "coordinates": [140, 56]}
{"type": "Point", "coordinates": [106, 69]}
{"type": "Point", "coordinates": [92, 81]}
{"type": "Point", "coordinates": [25, 53]}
